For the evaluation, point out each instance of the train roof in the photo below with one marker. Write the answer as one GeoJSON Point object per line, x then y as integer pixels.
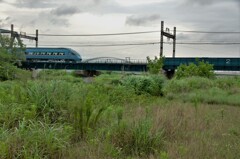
{"type": "Point", "coordinates": [52, 48]}
{"type": "Point", "coordinates": [37, 48]}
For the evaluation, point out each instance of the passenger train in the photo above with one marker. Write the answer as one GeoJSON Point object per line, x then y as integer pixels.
{"type": "Point", "coordinates": [52, 55]}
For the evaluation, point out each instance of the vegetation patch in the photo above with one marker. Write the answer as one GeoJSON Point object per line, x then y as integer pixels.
{"type": "Point", "coordinates": [201, 69]}
{"type": "Point", "coordinates": [145, 84]}
{"type": "Point", "coordinates": [204, 90]}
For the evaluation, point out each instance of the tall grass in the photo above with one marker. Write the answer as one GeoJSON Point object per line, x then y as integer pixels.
{"type": "Point", "coordinates": [126, 118]}
{"type": "Point", "coordinates": [34, 140]}
{"type": "Point", "coordinates": [50, 98]}
{"type": "Point", "coordinates": [137, 139]}
{"type": "Point", "coordinates": [212, 91]}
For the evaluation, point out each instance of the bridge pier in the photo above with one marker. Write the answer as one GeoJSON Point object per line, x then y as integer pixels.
{"type": "Point", "coordinates": [169, 73]}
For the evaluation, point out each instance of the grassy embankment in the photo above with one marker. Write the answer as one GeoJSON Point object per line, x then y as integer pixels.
{"type": "Point", "coordinates": [119, 116]}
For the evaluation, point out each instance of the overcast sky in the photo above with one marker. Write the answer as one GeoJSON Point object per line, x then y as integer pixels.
{"type": "Point", "coordinates": [115, 16]}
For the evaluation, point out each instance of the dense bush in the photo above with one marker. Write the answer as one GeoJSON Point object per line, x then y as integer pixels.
{"type": "Point", "coordinates": [201, 69]}
{"type": "Point", "coordinates": [145, 84]}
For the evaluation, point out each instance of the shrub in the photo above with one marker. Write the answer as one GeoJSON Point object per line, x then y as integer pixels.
{"type": "Point", "coordinates": [145, 84]}
{"type": "Point", "coordinates": [201, 69]}
{"type": "Point", "coordinates": [154, 66]}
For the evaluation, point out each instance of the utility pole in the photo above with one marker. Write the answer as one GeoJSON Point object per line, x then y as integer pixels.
{"type": "Point", "coordinates": [168, 35]}
{"type": "Point", "coordinates": [161, 39]}
{"type": "Point", "coordinates": [36, 39]}
{"type": "Point", "coordinates": [12, 36]}
{"type": "Point", "coordinates": [174, 41]}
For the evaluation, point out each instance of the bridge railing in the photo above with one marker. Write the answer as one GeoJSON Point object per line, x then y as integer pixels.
{"type": "Point", "coordinates": [133, 61]}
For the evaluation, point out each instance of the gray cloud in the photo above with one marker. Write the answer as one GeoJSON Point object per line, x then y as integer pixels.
{"type": "Point", "coordinates": [8, 18]}
{"type": "Point", "coordinates": [210, 2]}
{"type": "Point", "coordinates": [98, 1]}
{"type": "Point", "coordinates": [201, 2]}
{"type": "Point", "coordinates": [182, 36]}
{"type": "Point", "coordinates": [34, 4]}
{"type": "Point", "coordinates": [65, 10]}
{"type": "Point", "coordinates": [61, 7]}
{"type": "Point", "coordinates": [47, 19]}
{"type": "Point", "coordinates": [4, 2]}
{"type": "Point", "coordinates": [53, 3]}
{"type": "Point", "coordinates": [139, 20]}
{"type": "Point", "coordinates": [5, 22]}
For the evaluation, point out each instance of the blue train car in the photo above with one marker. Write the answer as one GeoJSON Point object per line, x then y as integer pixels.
{"type": "Point", "coordinates": [52, 54]}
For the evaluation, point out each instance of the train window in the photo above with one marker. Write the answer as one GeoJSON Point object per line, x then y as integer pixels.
{"type": "Point", "coordinates": [61, 53]}
{"type": "Point", "coordinates": [55, 53]}
{"type": "Point", "coordinates": [49, 53]}
{"type": "Point", "coordinates": [43, 53]}
{"type": "Point", "coordinates": [29, 53]}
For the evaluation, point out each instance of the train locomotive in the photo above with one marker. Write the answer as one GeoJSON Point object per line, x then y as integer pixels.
{"type": "Point", "coordinates": [52, 55]}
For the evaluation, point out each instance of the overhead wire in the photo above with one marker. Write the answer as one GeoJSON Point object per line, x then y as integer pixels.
{"type": "Point", "coordinates": [143, 43]}
{"type": "Point", "coordinates": [209, 32]}
{"type": "Point", "coordinates": [143, 32]}
{"type": "Point", "coordinates": [104, 34]}
{"type": "Point", "coordinates": [149, 43]}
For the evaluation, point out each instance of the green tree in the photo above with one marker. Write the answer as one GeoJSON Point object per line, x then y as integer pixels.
{"type": "Point", "coordinates": [9, 57]}
{"type": "Point", "coordinates": [154, 66]}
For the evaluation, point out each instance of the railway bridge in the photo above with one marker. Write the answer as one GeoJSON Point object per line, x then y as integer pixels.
{"type": "Point", "coordinates": [116, 64]}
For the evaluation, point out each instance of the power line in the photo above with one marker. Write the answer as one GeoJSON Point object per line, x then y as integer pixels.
{"type": "Point", "coordinates": [101, 45]}
{"type": "Point", "coordinates": [209, 43]}
{"type": "Point", "coordinates": [111, 34]}
{"type": "Point", "coordinates": [150, 43]}
{"type": "Point", "coordinates": [143, 32]}
{"type": "Point", "coordinates": [209, 32]}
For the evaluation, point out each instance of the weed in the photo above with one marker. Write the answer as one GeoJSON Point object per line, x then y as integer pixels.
{"type": "Point", "coordinates": [145, 84]}
{"type": "Point", "coordinates": [35, 140]}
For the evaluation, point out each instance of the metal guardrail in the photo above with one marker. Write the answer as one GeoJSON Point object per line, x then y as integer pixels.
{"type": "Point", "coordinates": [115, 60]}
